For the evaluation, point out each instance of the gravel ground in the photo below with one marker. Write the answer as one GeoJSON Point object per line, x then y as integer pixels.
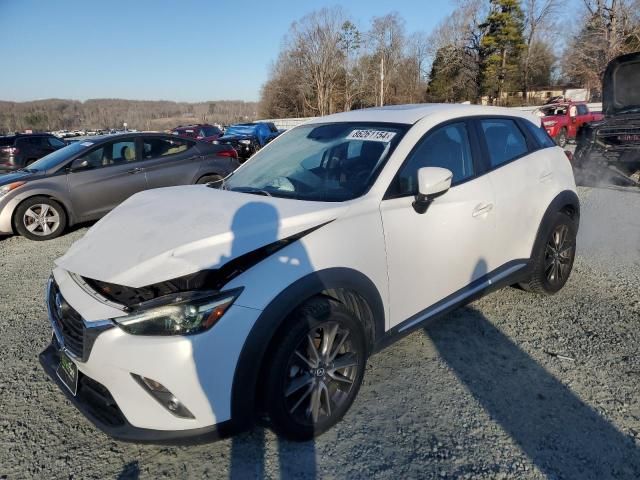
{"type": "Point", "coordinates": [513, 386]}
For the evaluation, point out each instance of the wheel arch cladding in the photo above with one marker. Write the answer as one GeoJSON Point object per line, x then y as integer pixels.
{"type": "Point", "coordinates": [350, 287]}
{"type": "Point", "coordinates": [567, 202]}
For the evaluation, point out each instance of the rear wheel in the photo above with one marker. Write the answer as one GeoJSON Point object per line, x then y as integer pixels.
{"type": "Point", "coordinates": [316, 371]}
{"type": "Point", "coordinates": [553, 262]}
{"type": "Point", "coordinates": [40, 218]}
{"type": "Point", "coordinates": [214, 179]}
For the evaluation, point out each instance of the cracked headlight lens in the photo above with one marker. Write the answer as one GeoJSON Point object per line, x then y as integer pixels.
{"type": "Point", "coordinates": [180, 317]}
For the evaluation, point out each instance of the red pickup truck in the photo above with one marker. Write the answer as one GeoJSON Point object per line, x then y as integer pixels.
{"type": "Point", "coordinates": [563, 120]}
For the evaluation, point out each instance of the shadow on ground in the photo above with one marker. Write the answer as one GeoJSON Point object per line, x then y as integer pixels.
{"type": "Point", "coordinates": [564, 437]}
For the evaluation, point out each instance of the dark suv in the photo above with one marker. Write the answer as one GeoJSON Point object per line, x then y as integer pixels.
{"type": "Point", "coordinates": [608, 151]}
{"type": "Point", "coordinates": [21, 150]}
{"type": "Point", "coordinates": [201, 131]}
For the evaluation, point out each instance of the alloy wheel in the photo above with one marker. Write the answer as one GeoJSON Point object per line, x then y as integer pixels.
{"type": "Point", "coordinates": [558, 255]}
{"type": "Point", "coordinates": [320, 373]}
{"type": "Point", "coordinates": [41, 219]}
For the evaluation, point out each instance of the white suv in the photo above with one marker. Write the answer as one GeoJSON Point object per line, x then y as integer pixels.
{"type": "Point", "coordinates": [191, 311]}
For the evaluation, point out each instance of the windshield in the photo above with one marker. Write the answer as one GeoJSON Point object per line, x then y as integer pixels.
{"type": "Point", "coordinates": [209, 131]}
{"type": "Point", "coordinates": [329, 162]}
{"type": "Point", "coordinates": [59, 156]}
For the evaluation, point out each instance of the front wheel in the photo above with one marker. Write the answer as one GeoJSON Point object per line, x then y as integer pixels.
{"type": "Point", "coordinates": [40, 218]}
{"type": "Point", "coordinates": [553, 260]}
{"type": "Point", "coordinates": [216, 180]}
{"type": "Point", "coordinates": [316, 370]}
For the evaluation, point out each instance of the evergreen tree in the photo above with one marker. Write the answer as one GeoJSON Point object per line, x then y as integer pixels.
{"type": "Point", "coordinates": [501, 48]}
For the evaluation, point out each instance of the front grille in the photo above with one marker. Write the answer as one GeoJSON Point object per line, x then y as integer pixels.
{"type": "Point", "coordinates": [69, 322]}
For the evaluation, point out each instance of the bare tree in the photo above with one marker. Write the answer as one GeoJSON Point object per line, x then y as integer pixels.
{"type": "Point", "coordinates": [538, 15]}
{"type": "Point", "coordinates": [315, 41]}
{"type": "Point", "coordinates": [609, 28]}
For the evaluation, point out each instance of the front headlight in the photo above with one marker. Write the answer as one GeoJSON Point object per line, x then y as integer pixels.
{"type": "Point", "coordinates": [7, 188]}
{"type": "Point", "coordinates": [245, 142]}
{"type": "Point", "coordinates": [181, 317]}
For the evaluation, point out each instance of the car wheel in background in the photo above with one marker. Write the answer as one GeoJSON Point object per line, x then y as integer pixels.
{"type": "Point", "coordinates": [553, 261]}
{"type": "Point", "coordinates": [214, 179]}
{"type": "Point", "coordinates": [40, 218]}
{"type": "Point", "coordinates": [316, 369]}
{"type": "Point", "coordinates": [561, 138]}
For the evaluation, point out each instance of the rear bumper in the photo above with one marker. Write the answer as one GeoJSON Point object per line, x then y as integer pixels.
{"type": "Point", "coordinates": [95, 402]}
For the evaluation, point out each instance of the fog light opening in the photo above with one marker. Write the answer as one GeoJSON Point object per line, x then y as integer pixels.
{"type": "Point", "coordinates": [163, 396]}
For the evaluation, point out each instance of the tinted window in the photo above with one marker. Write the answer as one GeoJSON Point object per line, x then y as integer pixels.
{"type": "Point", "coordinates": [541, 135]}
{"type": "Point", "coordinates": [209, 131]}
{"type": "Point", "coordinates": [505, 141]}
{"type": "Point", "coordinates": [55, 142]}
{"type": "Point", "coordinates": [447, 147]}
{"type": "Point", "coordinates": [7, 141]}
{"type": "Point", "coordinates": [582, 109]}
{"type": "Point", "coordinates": [160, 146]}
{"type": "Point", "coordinates": [27, 141]}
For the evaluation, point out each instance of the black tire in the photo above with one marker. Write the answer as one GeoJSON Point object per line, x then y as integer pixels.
{"type": "Point", "coordinates": [292, 380]}
{"type": "Point", "coordinates": [46, 227]}
{"type": "Point", "coordinates": [561, 138]}
{"type": "Point", "coordinates": [553, 260]}
{"type": "Point", "coordinates": [215, 179]}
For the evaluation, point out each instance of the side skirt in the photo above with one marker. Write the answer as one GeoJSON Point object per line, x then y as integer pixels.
{"type": "Point", "coordinates": [508, 274]}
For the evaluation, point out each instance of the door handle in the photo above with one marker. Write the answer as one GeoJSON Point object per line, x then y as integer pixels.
{"type": "Point", "coordinates": [546, 176]}
{"type": "Point", "coordinates": [482, 209]}
{"type": "Point", "coordinates": [135, 170]}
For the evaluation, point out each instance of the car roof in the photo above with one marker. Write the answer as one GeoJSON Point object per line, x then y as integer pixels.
{"type": "Point", "coordinates": [410, 114]}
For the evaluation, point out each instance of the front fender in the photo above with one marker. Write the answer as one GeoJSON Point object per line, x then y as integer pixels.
{"type": "Point", "coordinates": [253, 353]}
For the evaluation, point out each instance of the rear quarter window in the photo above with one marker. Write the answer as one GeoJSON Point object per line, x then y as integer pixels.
{"type": "Point", "coordinates": [540, 134]}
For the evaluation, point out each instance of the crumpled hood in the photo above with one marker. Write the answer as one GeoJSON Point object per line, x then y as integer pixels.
{"type": "Point", "coordinates": [166, 233]}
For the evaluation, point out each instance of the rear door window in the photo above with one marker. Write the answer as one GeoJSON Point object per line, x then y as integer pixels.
{"type": "Point", "coordinates": [154, 147]}
{"type": "Point", "coordinates": [505, 141]}
{"type": "Point", "coordinates": [582, 109]}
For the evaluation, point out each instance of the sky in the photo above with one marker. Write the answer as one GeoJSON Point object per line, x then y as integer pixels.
{"type": "Point", "coordinates": [189, 50]}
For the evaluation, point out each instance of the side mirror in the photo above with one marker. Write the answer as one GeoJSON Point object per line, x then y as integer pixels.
{"type": "Point", "coordinates": [432, 183]}
{"type": "Point", "coordinates": [79, 164]}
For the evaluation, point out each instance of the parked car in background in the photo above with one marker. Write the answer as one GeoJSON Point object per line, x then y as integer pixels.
{"type": "Point", "coordinates": [248, 138]}
{"type": "Point", "coordinates": [21, 150]}
{"type": "Point", "coordinates": [563, 120]}
{"type": "Point", "coordinates": [202, 131]}
{"type": "Point", "coordinates": [608, 151]}
{"type": "Point", "coordinates": [195, 311]}
{"type": "Point", "coordinates": [85, 180]}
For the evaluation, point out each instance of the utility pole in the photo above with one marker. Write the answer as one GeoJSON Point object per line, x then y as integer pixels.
{"type": "Point", "coordinates": [382, 79]}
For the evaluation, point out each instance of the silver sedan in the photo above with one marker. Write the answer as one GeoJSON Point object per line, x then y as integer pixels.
{"type": "Point", "coordinates": [87, 179]}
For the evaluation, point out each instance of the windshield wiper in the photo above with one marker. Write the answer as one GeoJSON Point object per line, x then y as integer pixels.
{"type": "Point", "coordinates": [255, 191]}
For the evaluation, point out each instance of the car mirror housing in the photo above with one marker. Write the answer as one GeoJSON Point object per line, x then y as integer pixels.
{"type": "Point", "coordinates": [432, 183]}
{"type": "Point", "coordinates": [79, 164]}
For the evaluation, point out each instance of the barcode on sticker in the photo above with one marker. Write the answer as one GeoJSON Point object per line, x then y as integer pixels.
{"type": "Point", "coordinates": [371, 135]}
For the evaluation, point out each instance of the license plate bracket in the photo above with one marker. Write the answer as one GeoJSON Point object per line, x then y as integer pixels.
{"type": "Point", "coordinates": [67, 372]}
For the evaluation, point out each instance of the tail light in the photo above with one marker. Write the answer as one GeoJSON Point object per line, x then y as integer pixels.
{"type": "Point", "coordinates": [10, 150]}
{"type": "Point", "coordinates": [569, 155]}
{"type": "Point", "coordinates": [228, 153]}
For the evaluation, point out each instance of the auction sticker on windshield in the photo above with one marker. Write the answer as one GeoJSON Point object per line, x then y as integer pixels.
{"type": "Point", "coordinates": [371, 135]}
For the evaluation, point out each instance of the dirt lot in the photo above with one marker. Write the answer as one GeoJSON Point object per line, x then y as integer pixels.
{"type": "Point", "coordinates": [513, 386]}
